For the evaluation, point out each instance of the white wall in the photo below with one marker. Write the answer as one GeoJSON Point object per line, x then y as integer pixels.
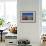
{"type": "Point", "coordinates": [29, 31]}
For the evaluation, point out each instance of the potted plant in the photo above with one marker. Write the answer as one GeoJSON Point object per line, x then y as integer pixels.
{"type": "Point", "coordinates": [1, 22]}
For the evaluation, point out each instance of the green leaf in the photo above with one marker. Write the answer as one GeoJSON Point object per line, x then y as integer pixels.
{"type": "Point", "coordinates": [1, 22]}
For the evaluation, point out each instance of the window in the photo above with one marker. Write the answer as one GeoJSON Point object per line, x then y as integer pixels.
{"type": "Point", "coordinates": [8, 10]}
{"type": "Point", "coordinates": [44, 10]}
{"type": "Point", "coordinates": [44, 16]}
{"type": "Point", "coordinates": [1, 9]}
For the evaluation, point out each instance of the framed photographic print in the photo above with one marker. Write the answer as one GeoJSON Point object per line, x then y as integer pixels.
{"type": "Point", "coordinates": [28, 16]}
